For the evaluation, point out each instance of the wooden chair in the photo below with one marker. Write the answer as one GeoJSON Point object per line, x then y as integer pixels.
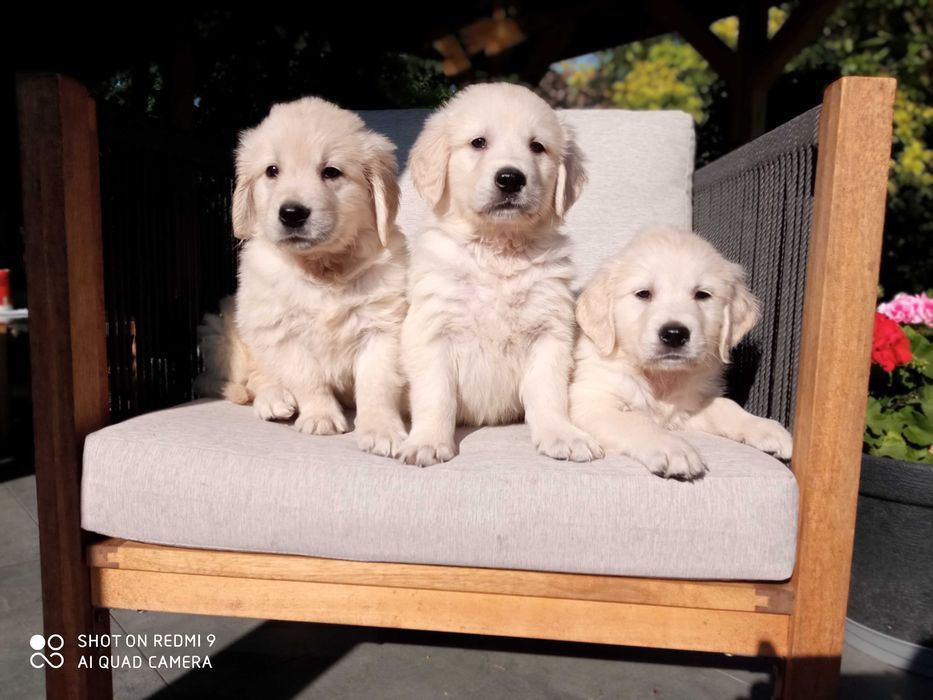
{"type": "Point", "coordinates": [799, 621]}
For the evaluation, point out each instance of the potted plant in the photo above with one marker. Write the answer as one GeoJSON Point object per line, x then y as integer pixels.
{"type": "Point", "coordinates": [891, 595]}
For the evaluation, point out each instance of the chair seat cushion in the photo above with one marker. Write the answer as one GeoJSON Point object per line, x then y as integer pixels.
{"type": "Point", "coordinates": [209, 474]}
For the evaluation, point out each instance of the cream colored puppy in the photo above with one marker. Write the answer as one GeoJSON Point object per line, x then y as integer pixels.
{"type": "Point", "coordinates": [322, 276]}
{"type": "Point", "coordinates": [659, 321]}
{"type": "Point", "coordinates": [489, 334]}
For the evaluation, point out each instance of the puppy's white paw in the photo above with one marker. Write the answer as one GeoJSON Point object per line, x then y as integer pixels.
{"type": "Point", "coordinates": [274, 403]}
{"type": "Point", "coordinates": [768, 436]}
{"type": "Point", "coordinates": [332, 423]}
{"type": "Point", "coordinates": [381, 438]}
{"type": "Point", "coordinates": [568, 442]}
{"type": "Point", "coordinates": [670, 457]}
{"type": "Point", "coordinates": [424, 453]}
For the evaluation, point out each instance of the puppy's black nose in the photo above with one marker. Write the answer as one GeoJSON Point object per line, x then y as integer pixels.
{"type": "Point", "coordinates": [673, 335]}
{"type": "Point", "coordinates": [293, 215]}
{"type": "Point", "coordinates": [510, 180]}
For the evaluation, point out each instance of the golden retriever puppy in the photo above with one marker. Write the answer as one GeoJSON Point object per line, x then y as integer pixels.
{"type": "Point", "coordinates": [489, 333]}
{"type": "Point", "coordinates": [659, 321]}
{"type": "Point", "coordinates": [322, 276]}
{"type": "Point", "coordinates": [228, 366]}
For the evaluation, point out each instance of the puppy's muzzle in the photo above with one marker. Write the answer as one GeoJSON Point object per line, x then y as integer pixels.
{"type": "Point", "coordinates": [510, 180]}
{"type": "Point", "coordinates": [674, 335]}
{"type": "Point", "coordinates": [293, 215]}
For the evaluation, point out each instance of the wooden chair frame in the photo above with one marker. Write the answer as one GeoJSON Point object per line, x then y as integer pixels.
{"type": "Point", "coordinates": [800, 621]}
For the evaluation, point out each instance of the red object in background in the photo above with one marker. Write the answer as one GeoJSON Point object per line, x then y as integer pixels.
{"type": "Point", "coordinates": [6, 300]}
{"type": "Point", "coordinates": [890, 348]}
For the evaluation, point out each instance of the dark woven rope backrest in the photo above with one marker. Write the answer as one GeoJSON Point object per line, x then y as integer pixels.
{"type": "Point", "coordinates": [755, 205]}
{"type": "Point", "coordinates": [169, 256]}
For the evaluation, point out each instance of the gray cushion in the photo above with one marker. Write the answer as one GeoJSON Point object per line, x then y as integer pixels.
{"type": "Point", "coordinates": [211, 475]}
{"type": "Point", "coordinates": [640, 166]}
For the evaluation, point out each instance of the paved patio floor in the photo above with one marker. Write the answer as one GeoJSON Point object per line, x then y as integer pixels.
{"type": "Point", "coordinates": [271, 660]}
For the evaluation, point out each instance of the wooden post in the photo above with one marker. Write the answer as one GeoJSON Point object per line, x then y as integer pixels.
{"type": "Point", "coordinates": [61, 214]}
{"type": "Point", "coordinates": [748, 94]}
{"type": "Point", "coordinates": [750, 71]}
{"type": "Point", "coordinates": [842, 276]}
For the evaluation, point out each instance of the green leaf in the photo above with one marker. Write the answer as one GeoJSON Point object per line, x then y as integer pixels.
{"type": "Point", "coordinates": [919, 429]}
{"type": "Point", "coordinates": [926, 399]}
{"type": "Point", "coordinates": [922, 350]}
{"type": "Point", "coordinates": [893, 445]}
{"type": "Point", "coordinates": [884, 421]}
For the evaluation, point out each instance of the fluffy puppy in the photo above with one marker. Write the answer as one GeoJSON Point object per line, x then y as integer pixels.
{"type": "Point", "coordinates": [322, 275]}
{"type": "Point", "coordinates": [489, 333]}
{"type": "Point", "coordinates": [228, 367]}
{"type": "Point", "coordinates": [659, 321]}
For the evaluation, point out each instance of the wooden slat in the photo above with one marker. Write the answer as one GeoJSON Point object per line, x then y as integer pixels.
{"type": "Point", "coordinates": [842, 274]}
{"type": "Point", "coordinates": [61, 219]}
{"type": "Point", "coordinates": [713, 595]}
{"type": "Point", "coordinates": [444, 611]}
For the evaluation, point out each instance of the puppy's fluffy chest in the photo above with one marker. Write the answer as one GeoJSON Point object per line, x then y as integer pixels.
{"type": "Point", "coordinates": [490, 296]}
{"type": "Point", "coordinates": [488, 307]}
{"type": "Point", "coordinates": [285, 312]}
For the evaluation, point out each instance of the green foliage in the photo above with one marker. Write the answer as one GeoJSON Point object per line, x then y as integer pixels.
{"type": "Point", "coordinates": [892, 38]}
{"type": "Point", "coordinates": [899, 420]}
{"type": "Point", "coordinates": [660, 73]}
{"type": "Point", "coordinates": [657, 74]}
{"type": "Point", "coordinates": [664, 72]}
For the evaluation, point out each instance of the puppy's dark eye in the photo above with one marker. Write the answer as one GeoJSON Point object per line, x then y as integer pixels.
{"type": "Point", "coordinates": [329, 173]}
{"type": "Point", "coordinates": [272, 171]}
{"type": "Point", "coordinates": [479, 144]}
{"type": "Point", "coordinates": [643, 294]}
{"type": "Point", "coordinates": [537, 147]}
{"type": "Point", "coordinates": [701, 294]}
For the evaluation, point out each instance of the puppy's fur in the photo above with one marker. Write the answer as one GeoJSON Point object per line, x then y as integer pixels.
{"type": "Point", "coordinates": [631, 389]}
{"type": "Point", "coordinates": [489, 335]}
{"type": "Point", "coordinates": [321, 298]}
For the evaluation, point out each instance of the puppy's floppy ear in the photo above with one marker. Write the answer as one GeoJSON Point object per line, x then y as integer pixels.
{"type": "Point", "coordinates": [739, 316]}
{"type": "Point", "coordinates": [571, 175]}
{"type": "Point", "coordinates": [596, 312]}
{"type": "Point", "coordinates": [428, 159]}
{"type": "Point", "coordinates": [383, 184]}
{"type": "Point", "coordinates": [244, 208]}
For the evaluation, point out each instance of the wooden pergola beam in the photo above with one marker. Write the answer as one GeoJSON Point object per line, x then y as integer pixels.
{"type": "Point", "coordinates": [700, 36]}
{"type": "Point", "coordinates": [801, 29]}
{"type": "Point", "coordinates": [750, 70]}
{"type": "Point", "coordinates": [748, 95]}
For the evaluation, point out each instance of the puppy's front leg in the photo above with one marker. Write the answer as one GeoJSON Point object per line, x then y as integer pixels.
{"type": "Point", "coordinates": [271, 401]}
{"type": "Point", "coordinates": [378, 388]}
{"type": "Point", "coordinates": [319, 412]}
{"type": "Point", "coordinates": [726, 418]}
{"type": "Point", "coordinates": [544, 398]}
{"type": "Point", "coordinates": [433, 393]}
{"type": "Point", "coordinates": [637, 435]}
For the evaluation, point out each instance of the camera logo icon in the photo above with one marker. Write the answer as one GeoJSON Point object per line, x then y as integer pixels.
{"type": "Point", "coordinates": [55, 642]}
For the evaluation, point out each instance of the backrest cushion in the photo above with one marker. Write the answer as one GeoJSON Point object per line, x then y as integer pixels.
{"type": "Point", "coordinates": [640, 167]}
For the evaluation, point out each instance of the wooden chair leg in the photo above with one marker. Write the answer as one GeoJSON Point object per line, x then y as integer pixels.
{"type": "Point", "coordinates": [809, 679]}
{"type": "Point", "coordinates": [61, 216]}
{"type": "Point", "coordinates": [845, 254]}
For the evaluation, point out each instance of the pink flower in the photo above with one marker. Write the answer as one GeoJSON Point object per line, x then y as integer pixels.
{"type": "Point", "coordinates": [909, 308]}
